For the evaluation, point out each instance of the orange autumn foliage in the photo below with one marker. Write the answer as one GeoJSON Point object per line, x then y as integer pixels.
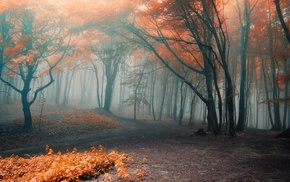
{"type": "Point", "coordinates": [10, 52]}
{"type": "Point", "coordinates": [66, 167]}
{"type": "Point", "coordinates": [91, 117]}
{"type": "Point", "coordinates": [86, 117]}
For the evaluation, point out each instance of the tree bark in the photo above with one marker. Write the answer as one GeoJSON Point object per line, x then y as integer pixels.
{"type": "Point", "coordinates": [277, 119]}
{"type": "Point", "coordinates": [191, 120]}
{"type": "Point", "coordinates": [26, 108]}
{"type": "Point", "coordinates": [211, 115]}
{"type": "Point", "coordinates": [66, 88]}
{"type": "Point", "coordinates": [176, 83]}
{"type": "Point", "coordinates": [183, 94]}
{"type": "Point", "coordinates": [165, 79]}
{"type": "Point", "coordinates": [267, 93]}
{"type": "Point", "coordinates": [281, 19]}
{"type": "Point", "coordinates": [111, 69]}
{"type": "Point", "coordinates": [97, 83]}
{"type": "Point", "coordinates": [245, 29]}
{"type": "Point", "coordinates": [286, 70]}
{"type": "Point", "coordinates": [58, 87]}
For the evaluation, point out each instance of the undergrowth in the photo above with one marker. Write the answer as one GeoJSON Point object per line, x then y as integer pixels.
{"type": "Point", "coordinates": [71, 166]}
{"type": "Point", "coordinates": [54, 126]}
{"type": "Point", "coordinates": [88, 117]}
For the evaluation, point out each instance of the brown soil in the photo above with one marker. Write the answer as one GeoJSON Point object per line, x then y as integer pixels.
{"type": "Point", "coordinates": [169, 152]}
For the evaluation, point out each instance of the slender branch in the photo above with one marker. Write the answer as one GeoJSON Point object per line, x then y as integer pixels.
{"type": "Point", "coordinates": [50, 74]}
{"type": "Point", "coordinates": [152, 71]}
{"type": "Point", "coordinates": [283, 24]}
{"type": "Point", "coordinates": [173, 53]}
{"type": "Point", "coordinates": [169, 67]}
{"type": "Point", "coordinates": [10, 85]}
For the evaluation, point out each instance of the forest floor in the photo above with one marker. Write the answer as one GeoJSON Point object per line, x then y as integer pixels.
{"type": "Point", "coordinates": [163, 149]}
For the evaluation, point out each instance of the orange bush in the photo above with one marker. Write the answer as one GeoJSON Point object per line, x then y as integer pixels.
{"type": "Point", "coordinates": [65, 167]}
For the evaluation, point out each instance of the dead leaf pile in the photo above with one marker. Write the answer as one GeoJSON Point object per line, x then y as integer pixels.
{"type": "Point", "coordinates": [67, 167]}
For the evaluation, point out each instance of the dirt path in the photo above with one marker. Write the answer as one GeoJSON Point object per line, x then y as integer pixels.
{"type": "Point", "coordinates": [168, 152]}
{"type": "Point", "coordinates": [173, 154]}
{"type": "Point", "coordinates": [130, 133]}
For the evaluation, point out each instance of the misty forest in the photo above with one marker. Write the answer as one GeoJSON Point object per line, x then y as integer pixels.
{"type": "Point", "coordinates": [144, 90]}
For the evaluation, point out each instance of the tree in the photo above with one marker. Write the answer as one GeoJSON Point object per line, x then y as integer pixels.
{"type": "Point", "coordinates": [195, 39]}
{"type": "Point", "coordinates": [136, 82]}
{"type": "Point", "coordinates": [111, 53]}
{"type": "Point", "coordinates": [281, 19]}
{"type": "Point", "coordinates": [245, 31]}
{"type": "Point", "coordinates": [286, 74]}
{"type": "Point", "coordinates": [31, 45]}
{"type": "Point", "coordinates": [163, 94]}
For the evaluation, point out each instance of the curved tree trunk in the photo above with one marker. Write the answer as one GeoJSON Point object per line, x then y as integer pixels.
{"type": "Point", "coordinates": [26, 111]}
{"type": "Point", "coordinates": [24, 99]}
{"type": "Point", "coordinates": [111, 69]}
{"type": "Point", "coordinates": [281, 19]}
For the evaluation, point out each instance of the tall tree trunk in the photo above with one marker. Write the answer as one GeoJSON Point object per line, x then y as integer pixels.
{"type": "Point", "coordinates": [26, 111]}
{"type": "Point", "coordinates": [170, 97]}
{"type": "Point", "coordinates": [181, 109]}
{"type": "Point", "coordinates": [97, 83]}
{"type": "Point", "coordinates": [267, 93]}
{"type": "Point", "coordinates": [183, 94]}
{"type": "Point", "coordinates": [220, 102]}
{"type": "Point", "coordinates": [277, 119]}
{"type": "Point", "coordinates": [102, 87]}
{"type": "Point", "coordinates": [153, 94]}
{"type": "Point", "coordinates": [281, 19]}
{"type": "Point", "coordinates": [191, 121]}
{"type": "Point", "coordinates": [25, 103]}
{"type": "Point", "coordinates": [176, 83]}
{"type": "Point", "coordinates": [248, 88]}
{"type": "Point", "coordinates": [83, 88]}
{"type": "Point", "coordinates": [211, 115]}
{"type": "Point", "coordinates": [165, 79]}
{"type": "Point", "coordinates": [9, 91]}
{"type": "Point", "coordinates": [65, 93]}
{"type": "Point", "coordinates": [98, 89]}
{"type": "Point", "coordinates": [69, 86]}
{"type": "Point", "coordinates": [286, 70]}
{"type": "Point", "coordinates": [230, 102]}
{"type": "Point", "coordinates": [108, 95]}
{"type": "Point", "coordinates": [121, 90]}
{"type": "Point", "coordinates": [58, 85]}
{"type": "Point", "coordinates": [245, 29]}
{"type": "Point", "coordinates": [111, 69]}
{"type": "Point", "coordinates": [257, 96]}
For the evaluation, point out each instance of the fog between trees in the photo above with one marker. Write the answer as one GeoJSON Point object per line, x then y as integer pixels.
{"type": "Point", "coordinates": [226, 64]}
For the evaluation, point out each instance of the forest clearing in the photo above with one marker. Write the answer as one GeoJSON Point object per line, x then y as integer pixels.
{"type": "Point", "coordinates": [160, 150]}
